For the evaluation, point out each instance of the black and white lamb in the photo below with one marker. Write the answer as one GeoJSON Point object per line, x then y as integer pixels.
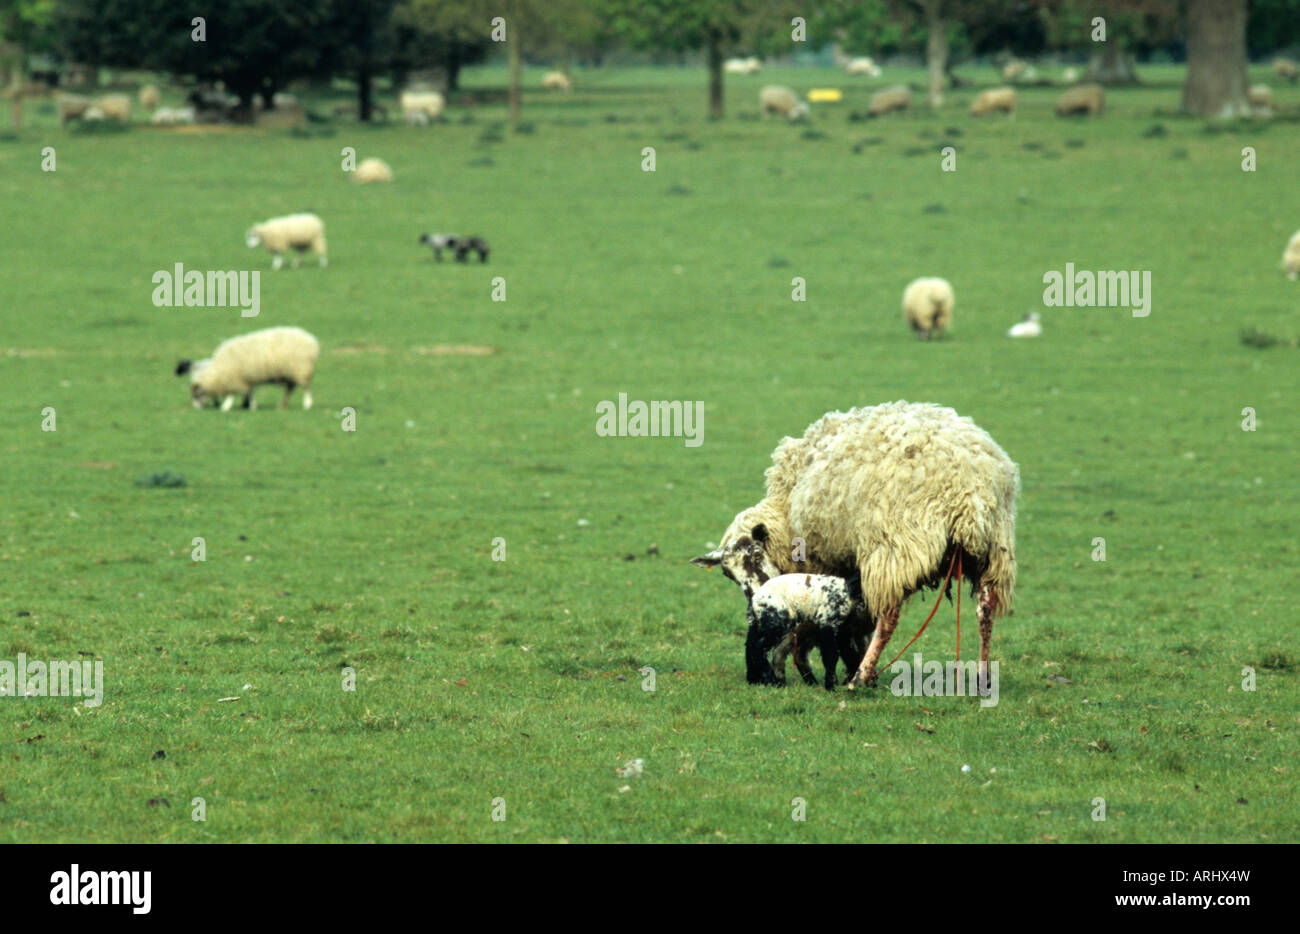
{"type": "Point", "coordinates": [797, 612]}
{"type": "Point", "coordinates": [461, 245]}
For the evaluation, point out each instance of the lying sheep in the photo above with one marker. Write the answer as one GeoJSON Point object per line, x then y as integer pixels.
{"type": "Point", "coordinates": [372, 170]}
{"type": "Point", "coordinates": [797, 612]}
{"type": "Point", "coordinates": [1286, 69]}
{"type": "Point", "coordinates": [419, 108]}
{"type": "Point", "coordinates": [150, 97]}
{"type": "Point", "coordinates": [462, 246]}
{"type": "Point", "coordinates": [298, 232]}
{"type": "Point", "coordinates": [557, 81]}
{"type": "Point", "coordinates": [993, 101]}
{"type": "Point", "coordinates": [742, 66]}
{"type": "Point", "coordinates": [927, 306]}
{"type": "Point", "coordinates": [899, 492]}
{"type": "Point", "coordinates": [1291, 258]}
{"type": "Point", "coordinates": [889, 100]}
{"type": "Point", "coordinates": [238, 366]}
{"type": "Point", "coordinates": [170, 116]}
{"type": "Point", "coordinates": [1082, 99]}
{"type": "Point", "coordinates": [862, 66]}
{"type": "Point", "coordinates": [783, 102]}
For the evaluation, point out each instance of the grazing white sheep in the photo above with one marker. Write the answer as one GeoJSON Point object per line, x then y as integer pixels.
{"type": "Point", "coordinates": [421, 107]}
{"type": "Point", "coordinates": [927, 306]}
{"type": "Point", "coordinates": [372, 170]}
{"type": "Point", "coordinates": [298, 232]}
{"type": "Point", "coordinates": [1291, 258]}
{"type": "Point", "coordinates": [890, 99]}
{"type": "Point", "coordinates": [800, 612]}
{"type": "Point", "coordinates": [1031, 326]}
{"type": "Point", "coordinates": [775, 99]}
{"type": "Point", "coordinates": [150, 97]}
{"type": "Point", "coordinates": [1082, 99]}
{"type": "Point", "coordinates": [862, 66]}
{"type": "Point", "coordinates": [557, 81]}
{"type": "Point", "coordinates": [899, 492]}
{"type": "Point", "coordinates": [1260, 97]}
{"type": "Point", "coordinates": [72, 106]}
{"type": "Point", "coordinates": [994, 100]}
{"type": "Point", "coordinates": [238, 366]}
{"type": "Point", "coordinates": [115, 107]}
{"type": "Point", "coordinates": [1286, 69]}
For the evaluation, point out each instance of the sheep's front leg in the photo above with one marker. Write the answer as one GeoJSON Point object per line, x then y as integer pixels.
{"type": "Point", "coordinates": [758, 670]}
{"type": "Point", "coordinates": [227, 403]}
{"type": "Point", "coordinates": [288, 391]}
{"type": "Point", "coordinates": [276, 260]}
{"type": "Point", "coordinates": [829, 647]}
{"type": "Point", "coordinates": [984, 611]}
{"type": "Point", "coordinates": [886, 623]}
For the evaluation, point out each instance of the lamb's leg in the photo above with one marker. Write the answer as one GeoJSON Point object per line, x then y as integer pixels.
{"type": "Point", "coordinates": [886, 623]}
{"type": "Point", "coordinates": [805, 649]}
{"type": "Point", "coordinates": [758, 670]}
{"type": "Point", "coordinates": [984, 611]}
{"type": "Point", "coordinates": [828, 645]}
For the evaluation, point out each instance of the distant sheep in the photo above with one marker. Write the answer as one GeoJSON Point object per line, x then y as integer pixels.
{"type": "Point", "coordinates": [1013, 70]}
{"type": "Point", "coordinates": [115, 107]}
{"type": "Point", "coordinates": [1031, 326]}
{"type": "Point", "coordinates": [73, 106]}
{"type": "Point", "coordinates": [742, 66]}
{"type": "Point", "coordinates": [927, 306]}
{"type": "Point", "coordinates": [899, 492]}
{"type": "Point", "coordinates": [1291, 258]}
{"type": "Point", "coordinates": [150, 97]}
{"type": "Point", "coordinates": [1260, 97]}
{"type": "Point", "coordinates": [862, 66]}
{"type": "Point", "coordinates": [557, 81]}
{"type": "Point", "coordinates": [1071, 75]}
{"type": "Point", "coordinates": [800, 612]}
{"type": "Point", "coordinates": [889, 100]}
{"type": "Point", "coordinates": [1082, 99]}
{"type": "Point", "coordinates": [781, 101]}
{"type": "Point", "coordinates": [372, 170]}
{"type": "Point", "coordinates": [461, 245]}
{"type": "Point", "coordinates": [170, 116]}
{"type": "Point", "coordinates": [298, 232]}
{"type": "Point", "coordinates": [1286, 69]}
{"type": "Point", "coordinates": [997, 100]}
{"type": "Point", "coordinates": [286, 356]}
{"type": "Point", "coordinates": [421, 107]}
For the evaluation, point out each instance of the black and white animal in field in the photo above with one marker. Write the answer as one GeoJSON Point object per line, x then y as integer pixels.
{"type": "Point", "coordinates": [797, 612]}
{"type": "Point", "coordinates": [462, 246]}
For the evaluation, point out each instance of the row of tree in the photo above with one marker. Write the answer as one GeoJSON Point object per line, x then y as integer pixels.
{"type": "Point", "coordinates": [259, 46]}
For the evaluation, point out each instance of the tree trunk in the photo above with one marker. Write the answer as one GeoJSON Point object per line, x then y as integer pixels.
{"type": "Point", "coordinates": [514, 72]}
{"type": "Point", "coordinates": [715, 74]}
{"type": "Point", "coordinates": [453, 69]}
{"type": "Point", "coordinates": [365, 95]}
{"type": "Point", "coordinates": [936, 50]}
{"type": "Point", "coordinates": [1216, 59]}
{"type": "Point", "coordinates": [1110, 65]}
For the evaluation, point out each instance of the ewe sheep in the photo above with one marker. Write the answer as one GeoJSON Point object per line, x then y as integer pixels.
{"type": "Point", "coordinates": [372, 170]}
{"type": "Point", "coordinates": [1291, 258]}
{"type": "Point", "coordinates": [421, 107]}
{"type": "Point", "coordinates": [238, 366]}
{"type": "Point", "coordinates": [775, 99]}
{"type": "Point", "coordinates": [994, 100]}
{"type": "Point", "coordinates": [927, 306]}
{"type": "Point", "coordinates": [299, 232]}
{"type": "Point", "coordinates": [557, 81]}
{"type": "Point", "coordinates": [890, 99]}
{"type": "Point", "coordinates": [799, 612]}
{"type": "Point", "coordinates": [1082, 99]}
{"type": "Point", "coordinates": [898, 492]}
{"type": "Point", "coordinates": [1286, 69]}
{"type": "Point", "coordinates": [741, 66]}
{"type": "Point", "coordinates": [150, 97]}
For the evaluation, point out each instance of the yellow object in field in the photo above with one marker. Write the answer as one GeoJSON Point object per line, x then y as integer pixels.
{"type": "Point", "coordinates": [825, 95]}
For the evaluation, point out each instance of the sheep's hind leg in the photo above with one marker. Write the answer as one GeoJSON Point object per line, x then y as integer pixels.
{"type": "Point", "coordinates": [288, 391]}
{"type": "Point", "coordinates": [984, 611]}
{"type": "Point", "coordinates": [227, 403]}
{"type": "Point", "coordinates": [277, 261]}
{"type": "Point", "coordinates": [886, 623]}
{"type": "Point", "coordinates": [306, 398]}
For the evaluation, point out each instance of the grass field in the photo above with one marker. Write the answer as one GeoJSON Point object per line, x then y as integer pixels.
{"type": "Point", "coordinates": [518, 679]}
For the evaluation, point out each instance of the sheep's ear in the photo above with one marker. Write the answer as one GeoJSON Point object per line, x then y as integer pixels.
{"type": "Point", "coordinates": [709, 561]}
{"type": "Point", "coordinates": [183, 367]}
{"type": "Point", "coordinates": [759, 532]}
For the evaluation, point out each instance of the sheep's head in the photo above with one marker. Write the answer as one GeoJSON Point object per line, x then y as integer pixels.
{"type": "Point", "coordinates": [745, 554]}
{"type": "Point", "coordinates": [252, 238]}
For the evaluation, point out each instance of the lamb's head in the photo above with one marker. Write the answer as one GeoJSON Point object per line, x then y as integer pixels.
{"type": "Point", "coordinates": [747, 550]}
